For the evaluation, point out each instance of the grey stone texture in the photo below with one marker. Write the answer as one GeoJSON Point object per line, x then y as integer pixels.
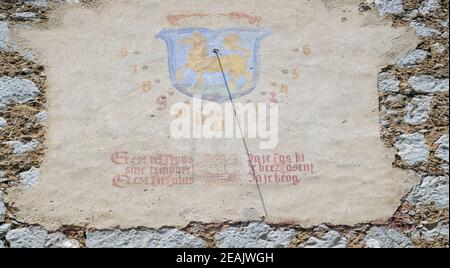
{"type": "Point", "coordinates": [42, 117]}
{"type": "Point", "coordinates": [428, 7]}
{"type": "Point", "coordinates": [428, 84]}
{"type": "Point", "coordinates": [29, 178]}
{"type": "Point", "coordinates": [32, 237]}
{"type": "Point", "coordinates": [4, 229]}
{"type": "Point", "coordinates": [60, 240]}
{"type": "Point", "coordinates": [38, 3]}
{"type": "Point", "coordinates": [332, 239]}
{"type": "Point", "coordinates": [22, 147]}
{"type": "Point", "coordinates": [2, 207]}
{"type": "Point", "coordinates": [388, 83]}
{"type": "Point", "coordinates": [23, 16]}
{"type": "Point", "coordinates": [4, 35]}
{"type": "Point", "coordinates": [3, 123]}
{"type": "Point", "coordinates": [442, 149]}
{"type": "Point", "coordinates": [382, 237]}
{"type": "Point", "coordinates": [412, 148]}
{"type": "Point", "coordinates": [418, 110]}
{"type": "Point", "coordinates": [412, 58]}
{"type": "Point", "coordinates": [386, 7]}
{"type": "Point", "coordinates": [422, 30]}
{"type": "Point", "coordinates": [433, 189]}
{"type": "Point", "coordinates": [16, 90]}
{"type": "Point", "coordinates": [253, 236]}
{"type": "Point", "coordinates": [163, 238]}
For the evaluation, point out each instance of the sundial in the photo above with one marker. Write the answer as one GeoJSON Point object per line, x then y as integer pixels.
{"type": "Point", "coordinates": [144, 100]}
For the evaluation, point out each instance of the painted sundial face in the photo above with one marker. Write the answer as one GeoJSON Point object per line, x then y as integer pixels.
{"type": "Point", "coordinates": [195, 70]}
{"type": "Point", "coordinates": [123, 76]}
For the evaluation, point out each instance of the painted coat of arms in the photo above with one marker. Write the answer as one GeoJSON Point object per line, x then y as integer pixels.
{"type": "Point", "coordinates": [194, 68]}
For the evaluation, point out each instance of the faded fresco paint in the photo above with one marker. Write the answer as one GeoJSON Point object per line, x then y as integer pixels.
{"type": "Point", "coordinates": [193, 66]}
{"type": "Point", "coordinates": [111, 160]}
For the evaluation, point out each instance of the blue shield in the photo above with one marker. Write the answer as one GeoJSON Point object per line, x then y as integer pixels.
{"type": "Point", "coordinates": [194, 68]}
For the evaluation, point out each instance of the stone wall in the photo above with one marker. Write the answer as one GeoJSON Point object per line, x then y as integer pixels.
{"type": "Point", "coordinates": [414, 116]}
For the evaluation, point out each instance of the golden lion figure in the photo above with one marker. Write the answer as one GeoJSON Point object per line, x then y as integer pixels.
{"type": "Point", "coordinates": [198, 60]}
